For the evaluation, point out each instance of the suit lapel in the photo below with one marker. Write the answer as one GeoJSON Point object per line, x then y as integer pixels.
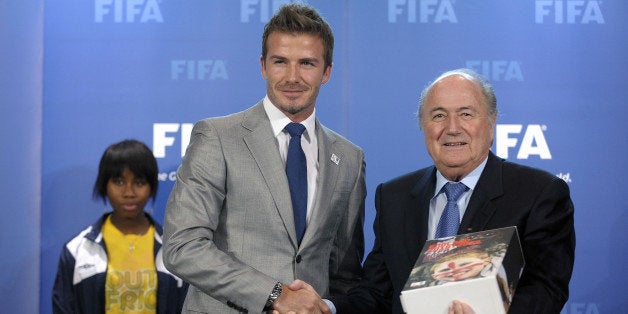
{"type": "Point", "coordinates": [263, 146]}
{"type": "Point", "coordinates": [327, 177]}
{"type": "Point", "coordinates": [416, 214]}
{"type": "Point", "coordinates": [481, 207]}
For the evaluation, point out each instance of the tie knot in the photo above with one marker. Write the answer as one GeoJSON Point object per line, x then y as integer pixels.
{"type": "Point", "coordinates": [454, 190]}
{"type": "Point", "coordinates": [295, 129]}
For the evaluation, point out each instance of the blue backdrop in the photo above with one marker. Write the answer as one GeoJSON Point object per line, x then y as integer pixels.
{"type": "Point", "coordinates": [78, 75]}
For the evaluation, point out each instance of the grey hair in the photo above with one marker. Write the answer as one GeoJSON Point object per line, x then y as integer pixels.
{"type": "Point", "coordinates": [481, 81]}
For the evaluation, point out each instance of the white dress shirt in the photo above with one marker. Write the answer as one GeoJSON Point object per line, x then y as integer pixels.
{"type": "Point", "coordinates": [439, 200]}
{"type": "Point", "coordinates": [309, 144]}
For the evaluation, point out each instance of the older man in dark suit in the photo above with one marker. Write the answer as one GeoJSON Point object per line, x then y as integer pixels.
{"type": "Point", "coordinates": [457, 114]}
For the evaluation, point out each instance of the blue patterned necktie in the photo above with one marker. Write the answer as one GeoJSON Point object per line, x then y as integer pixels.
{"type": "Point", "coordinates": [296, 170]}
{"type": "Point", "coordinates": [450, 218]}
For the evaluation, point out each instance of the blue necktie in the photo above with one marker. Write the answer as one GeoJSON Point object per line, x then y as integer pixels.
{"type": "Point", "coordinates": [450, 218]}
{"type": "Point", "coordinates": [296, 170]}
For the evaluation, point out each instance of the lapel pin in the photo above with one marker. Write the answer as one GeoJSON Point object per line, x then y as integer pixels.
{"type": "Point", "coordinates": [335, 158]}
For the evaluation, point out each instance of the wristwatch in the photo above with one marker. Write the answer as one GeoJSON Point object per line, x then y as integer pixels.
{"type": "Point", "coordinates": [273, 296]}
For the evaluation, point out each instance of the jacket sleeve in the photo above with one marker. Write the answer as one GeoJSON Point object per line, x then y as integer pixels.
{"type": "Point", "coordinates": [374, 293]}
{"type": "Point", "coordinates": [348, 251]}
{"type": "Point", "coordinates": [193, 214]}
{"type": "Point", "coordinates": [549, 237]}
{"type": "Point", "coordinates": [63, 293]}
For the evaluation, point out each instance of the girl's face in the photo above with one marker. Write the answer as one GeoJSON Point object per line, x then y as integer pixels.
{"type": "Point", "coordinates": [459, 268]}
{"type": "Point", "coordinates": [128, 195]}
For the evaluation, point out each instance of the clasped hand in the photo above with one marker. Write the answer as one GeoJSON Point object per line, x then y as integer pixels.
{"type": "Point", "coordinates": [299, 298]}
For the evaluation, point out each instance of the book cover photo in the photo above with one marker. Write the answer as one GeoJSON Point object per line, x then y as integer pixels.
{"type": "Point", "coordinates": [481, 269]}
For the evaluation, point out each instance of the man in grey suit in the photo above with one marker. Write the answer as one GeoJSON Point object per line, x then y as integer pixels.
{"type": "Point", "coordinates": [229, 227]}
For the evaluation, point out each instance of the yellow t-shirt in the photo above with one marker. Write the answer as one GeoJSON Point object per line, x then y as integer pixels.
{"type": "Point", "coordinates": [131, 284]}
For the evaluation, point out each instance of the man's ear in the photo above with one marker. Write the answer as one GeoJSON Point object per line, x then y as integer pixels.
{"type": "Point", "coordinates": [262, 63]}
{"type": "Point", "coordinates": [326, 74]}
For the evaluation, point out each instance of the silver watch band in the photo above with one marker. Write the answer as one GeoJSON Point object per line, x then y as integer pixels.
{"type": "Point", "coordinates": [274, 294]}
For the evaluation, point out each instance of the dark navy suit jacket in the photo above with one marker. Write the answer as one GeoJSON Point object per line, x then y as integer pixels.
{"type": "Point", "coordinates": [507, 194]}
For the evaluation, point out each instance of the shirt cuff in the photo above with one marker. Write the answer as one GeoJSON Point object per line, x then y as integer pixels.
{"type": "Point", "coordinates": [331, 306]}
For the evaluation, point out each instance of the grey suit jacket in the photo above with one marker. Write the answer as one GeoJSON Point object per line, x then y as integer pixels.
{"type": "Point", "coordinates": [229, 228]}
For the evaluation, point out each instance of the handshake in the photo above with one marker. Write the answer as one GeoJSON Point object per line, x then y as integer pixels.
{"type": "Point", "coordinates": [299, 297]}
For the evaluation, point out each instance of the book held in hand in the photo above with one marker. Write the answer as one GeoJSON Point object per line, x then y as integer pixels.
{"type": "Point", "coordinates": [481, 269]}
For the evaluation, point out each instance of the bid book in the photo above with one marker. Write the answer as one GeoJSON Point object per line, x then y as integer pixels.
{"type": "Point", "coordinates": [481, 269]}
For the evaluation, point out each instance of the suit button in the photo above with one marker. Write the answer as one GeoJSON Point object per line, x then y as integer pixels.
{"type": "Point", "coordinates": [298, 259]}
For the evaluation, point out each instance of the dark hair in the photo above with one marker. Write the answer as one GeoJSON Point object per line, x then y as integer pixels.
{"type": "Point", "coordinates": [131, 154]}
{"type": "Point", "coordinates": [294, 18]}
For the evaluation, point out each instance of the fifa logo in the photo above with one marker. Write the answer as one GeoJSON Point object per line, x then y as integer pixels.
{"type": "Point", "coordinates": [428, 11]}
{"type": "Point", "coordinates": [532, 143]}
{"type": "Point", "coordinates": [497, 70]}
{"type": "Point", "coordinates": [249, 8]}
{"type": "Point", "coordinates": [568, 11]}
{"type": "Point", "coordinates": [198, 70]}
{"type": "Point", "coordinates": [580, 308]}
{"type": "Point", "coordinates": [164, 135]}
{"type": "Point", "coordinates": [127, 11]}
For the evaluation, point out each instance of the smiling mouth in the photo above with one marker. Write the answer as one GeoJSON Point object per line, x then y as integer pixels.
{"type": "Point", "coordinates": [295, 91]}
{"type": "Point", "coordinates": [455, 144]}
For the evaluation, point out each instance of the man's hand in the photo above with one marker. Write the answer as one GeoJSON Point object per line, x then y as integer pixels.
{"type": "Point", "coordinates": [458, 307]}
{"type": "Point", "coordinates": [299, 297]}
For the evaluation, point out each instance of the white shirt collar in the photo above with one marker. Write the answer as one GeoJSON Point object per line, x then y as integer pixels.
{"type": "Point", "coordinates": [278, 120]}
{"type": "Point", "coordinates": [470, 180]}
